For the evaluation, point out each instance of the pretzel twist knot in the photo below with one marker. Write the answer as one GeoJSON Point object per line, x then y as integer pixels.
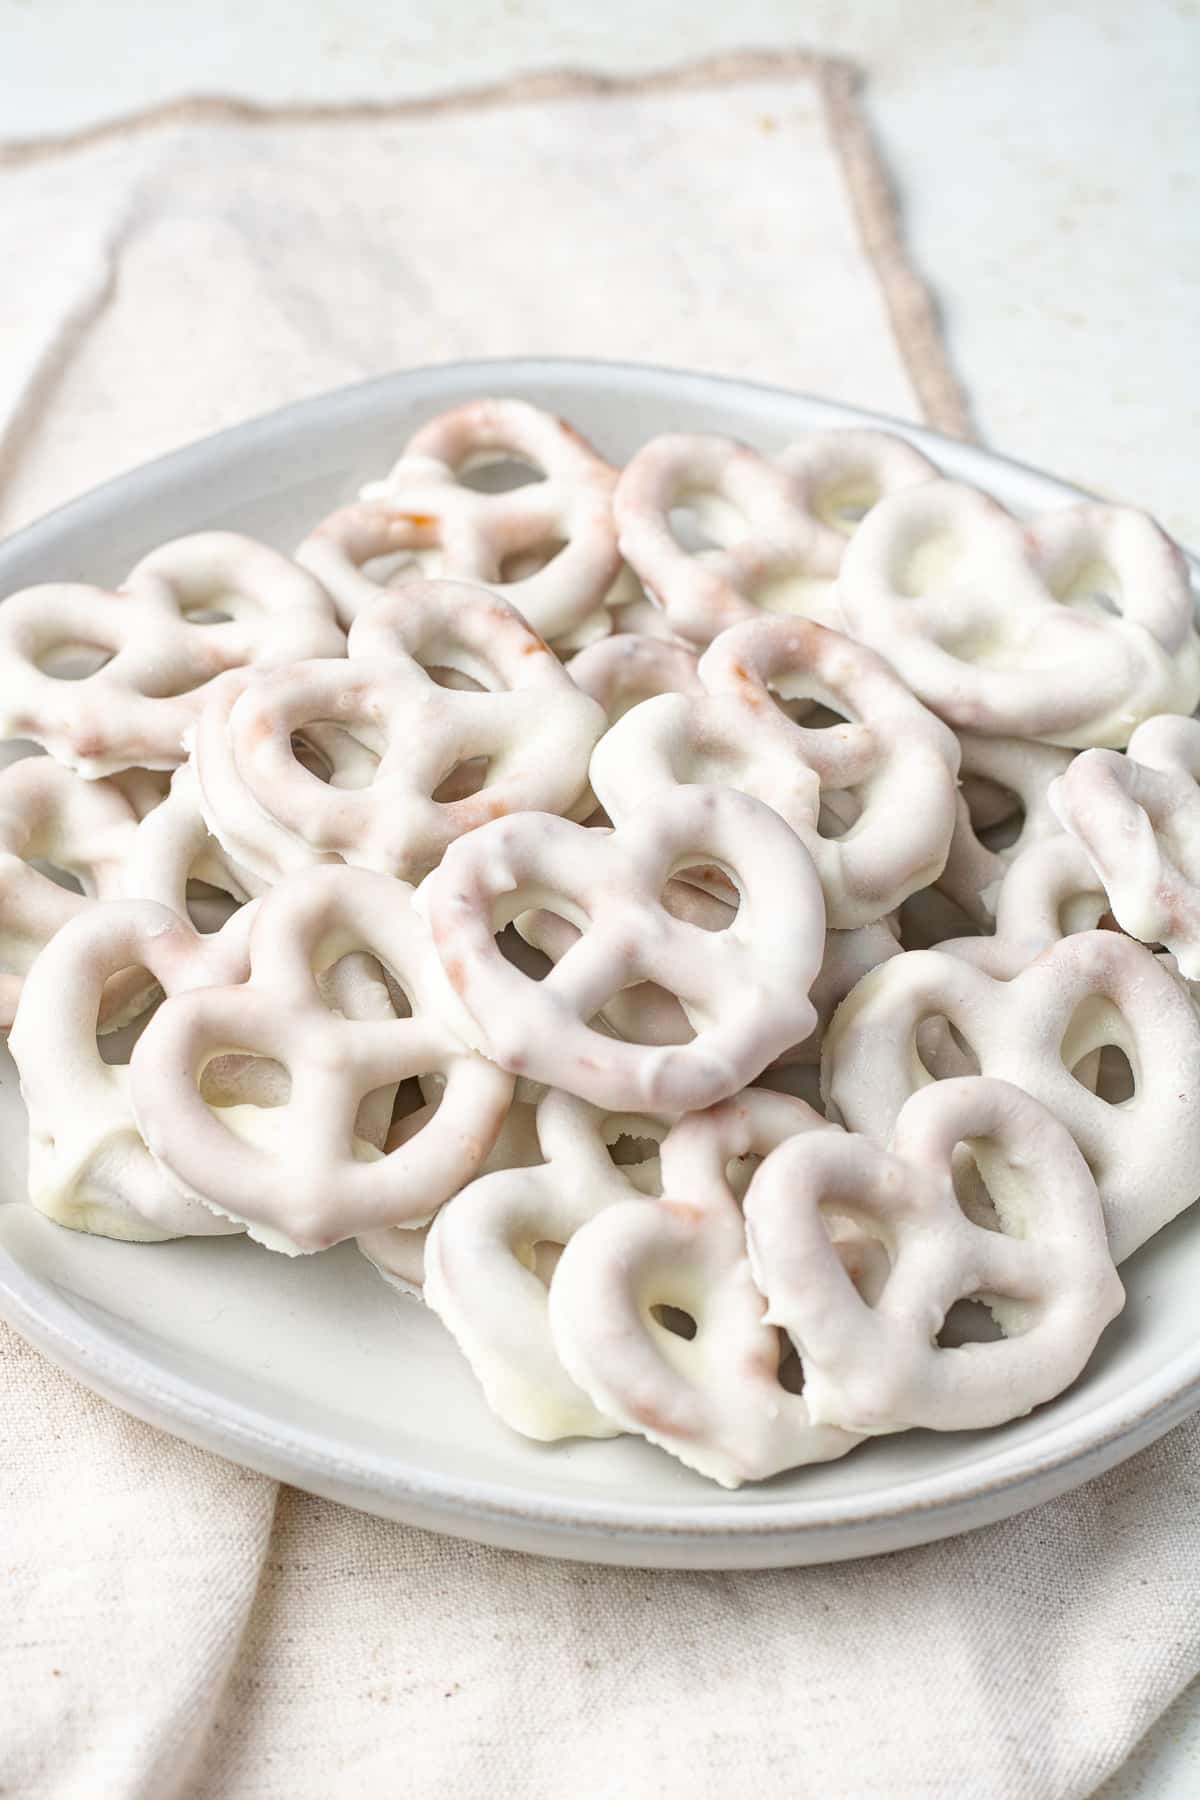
{"type": "Point", "coordinates": [713, 1398]}
{"type": "Point", "coordinates": [317, 1180]}
{"type": "Point", "coordinates": [1090, 990]}
{"type": "Point", "coordinates": [549, 547]}
{"type": "Point", "coordinates": [185, 614]}
{"type": "Point", "coordinates": [517, 713]}
{"type": "Point", "coordinates": [890, 769]}
{"type": "Point", "coordinates": [1070, 630]}
{"type": "Point", "coordinates": [1045, 1273]}
{"type": "Point", "coordinates": [86, 828]}
{"type": "Point", "coordinates": [88, 1164]}
{"type": "Point", "coordinates": [1137, 818]}
{"type": "Point", "coordinates": [744, 989]}
{"type": "Point", "coordinates": [491, 1254]}
{"type": "Point", "coordinates": [778, 527]}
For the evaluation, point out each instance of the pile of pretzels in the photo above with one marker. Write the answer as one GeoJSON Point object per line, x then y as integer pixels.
{"type": "Point", "coordinates": [720, 932]}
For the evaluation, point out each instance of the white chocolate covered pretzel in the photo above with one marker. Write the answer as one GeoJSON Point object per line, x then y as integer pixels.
{"type": "Point", "coordinates": [1137, 818]}
{"type": "Point", "coordinates": [84, 828]}
{"type": "Point", "coordinates": [622, 670]}
{"type": "Point", "coordinates": [549, 548]}
{"type": "Point", "coordinates": [518, 713]}
{"type": "Point", "coordinates": [172, 846]}
{"type": "Point", "coordinates": [314, 1185]}
{"type": "Point", "coordinates": [647, 1014]}
{"type": "Point", "coordinates": [398, 1251]}
{"type": "Point", "coordinates": [1090, 990]}
{"type": "Point", "coordinates": [492, 1249]}
{"type": "Point", "coordinates": [777, 529]}
{"type": "Point", "coordinates": [88, 1164]}
{"type": "Point", "coordinates": [1044, 1270]}
{"type": "Point", "coordinates": [712, 1398]}
{"type": "Point", "coordinates": [895, 761]}
{"type": "Point", "coordinates": [185, 613]}
{"type": "Point", "coordinates": [992, 768]}
{"type": "Point", "coordinates": [1049, 892]}
{"type": "Point", "coordinates": [1072, 629]}
{"type": "Point", "coordinates": [744, 990]}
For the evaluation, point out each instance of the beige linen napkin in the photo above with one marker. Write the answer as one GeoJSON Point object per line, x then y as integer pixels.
{"type": "Point", "coordinates": [176, 1626]}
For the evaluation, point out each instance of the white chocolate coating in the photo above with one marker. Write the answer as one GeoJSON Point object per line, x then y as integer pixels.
{"type": "Point", "coordinates": [744, 990]}
{"type": "Point", "coordinates": [1049, 892]}
{"type": "Point", "coordinates": [974, 870]}
{"type": "Point", "coordinates": [85, 828]}
{"type": "Point", "coordinates": [621, 671]}
{"type": "Point", "coordinates": [134, 710]}
{"type": "Point", "coordinates": [895, 761]}
{"type": "Point", "coordinates": [522, 715]}
{"type": "Point", "coordinates": [779, 528]}
{"type": "Point", "coordinates": [1137, 818]}
{"type": "Point", "coordinates": [1045, 1273]}
{"type": "Point", "coordinates": [1070, 630]}
{"type": "Point", "coordinates": [172, 845]}
{"type": "Point", "coordinates": [486, 1262]}
{"type": "Point", "coordinates": [647, 1014]}
{"type": "Point", "coordinates": [312, 1187]}
{"type": "Point", "coordinates": [1089, 990]}
{"type": "Point", "coordinates": [88, 1164]}
{"type": "Point", "coordinates": [423, 505]}
{"type": "Point", "coordinates": [714, 1400]}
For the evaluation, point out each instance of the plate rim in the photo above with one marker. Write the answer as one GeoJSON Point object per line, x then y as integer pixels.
{"type": "Point", "coordinates": [922, 1507]}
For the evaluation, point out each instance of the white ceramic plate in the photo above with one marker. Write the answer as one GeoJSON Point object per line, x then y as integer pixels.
{"type": "Point", "coordinates": [313, 1370]}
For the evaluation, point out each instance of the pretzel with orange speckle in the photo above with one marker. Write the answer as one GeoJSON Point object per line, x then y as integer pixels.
{"type": "Point", "coordinates": [558, 530]}
{"type": "Point", "coordinates": [518, 712]}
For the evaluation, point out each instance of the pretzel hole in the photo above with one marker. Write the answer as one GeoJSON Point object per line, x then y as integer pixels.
{"type": "Point", "coordinates": [444, 675]}
{"type": "Point", "coordinates": [969, 1321]}
{"type": "Point", "coordinates": [1117, 1082]}
{"type": "Point", "coordinates": [1005, 834]}
{"type": "Point", "coordinates": [73, 661]}
{"type": "Point", "coordinates": [633, 1144]}
{"type": "Point", "coordinates": [241, 1078]}
{"type": "Point", "coordinates": [486, 473]}
{"type": "Point", "coordinates": [532, 963]}
{"type": "Point", "coordinates": [123, 988]}
{"type": "Point", "coordinates": [838, 812]}
{"type": "Point", "coordinates": [846, 503]}
{"type": "Point", "coordinates": [712, 901]}
{"type": "Point", "coordinates": [739, 1173]}
{"type": "Point", "coordinates": [519, 565]}
{"type": "Point", "coordinates": [705, 523]}
{"type": "Point", "coordinates": [62, 878]}
{"type": "Point", "coordinates": [790, 1373]}
{"type": "Point", "coordinates": [1098, 1026]}
{"type": "Point", "coordinates": [1093, 588]}
{"type": "Point", "coordinates": [942, 1050]}
{"type": "Point", "coordinates": [209, 907]}
{"type": "Point", "coordinates": [206, 614]}
{"type": "Point", "coordinates": [673, 1319]}
{"type": "Point", "coordinates": [463, 780]}
{"type": "Point", "coordinates": [928, 565]}
{"type": "Point", "coordinates": [971, 1190]}
{"type": "Point", "coordinates": [336, 757]}
{"type": "Point", "coordinates": [988, 802]}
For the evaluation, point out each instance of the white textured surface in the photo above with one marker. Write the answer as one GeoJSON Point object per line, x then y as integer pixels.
{"type": "Point", "coordinates": [1045, 157]}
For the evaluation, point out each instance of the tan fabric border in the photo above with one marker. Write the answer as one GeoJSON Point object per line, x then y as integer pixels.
{"type": "Point", "coordinates": [909, 303]}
